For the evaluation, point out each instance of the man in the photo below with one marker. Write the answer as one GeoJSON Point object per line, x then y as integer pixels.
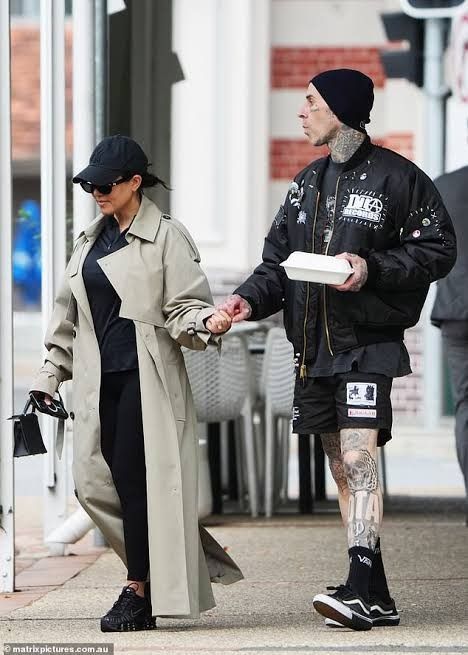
{"type": "Point", "coordinates": [450, 311]}
{"type": "Point", "coordinates": [380, 212]}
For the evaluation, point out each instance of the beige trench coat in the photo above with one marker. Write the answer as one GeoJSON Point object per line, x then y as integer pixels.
{"type": "Point", "coordinates": [163, 289]}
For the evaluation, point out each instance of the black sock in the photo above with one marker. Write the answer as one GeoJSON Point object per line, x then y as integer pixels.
{"type": "Point", "coordinates": [378, 580]}
{"type": "Point", "coordinates": [360, 569]}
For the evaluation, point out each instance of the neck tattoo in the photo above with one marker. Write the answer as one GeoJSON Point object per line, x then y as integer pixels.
{"type": "Point", "coordinates": [345, 143]}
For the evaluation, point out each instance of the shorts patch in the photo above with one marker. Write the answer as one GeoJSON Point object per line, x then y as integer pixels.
{"type": "Point", "coordinates": [361, 393]}
{"type": "Point", "coordinates": [365, 413]}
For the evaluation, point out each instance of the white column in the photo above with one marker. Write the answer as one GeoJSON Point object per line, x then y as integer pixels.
{"type": "Point", "coordinates": [220, 137]}
{"type": "Point", "coordinates": [435, 89]}
{"type": "Point", "coordinates": [7, 525]}
{"type": "Point", "coordinates": [53, 225]}
{"type": "Point", "coordinates": [198, 105]}
{"type": "Point", "coordinates": [259, 219]}
{"type": "Point", "coordinates": [84, 207]}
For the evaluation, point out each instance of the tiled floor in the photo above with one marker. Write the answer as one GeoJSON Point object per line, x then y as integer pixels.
{"type": "Point", "coordinates": [36, 573]}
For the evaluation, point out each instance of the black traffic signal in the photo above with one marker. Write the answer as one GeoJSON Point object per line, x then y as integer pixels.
{"type": "Point", "coordinates": [431, 8]}
{"type": "Point", "coordinates": [408, 61]}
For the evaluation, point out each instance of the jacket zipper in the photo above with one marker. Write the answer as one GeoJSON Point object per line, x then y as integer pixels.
{"type": "Point", "coordinates": [327, 332]}
{"type": "Point", "coordinates": [303, 369]}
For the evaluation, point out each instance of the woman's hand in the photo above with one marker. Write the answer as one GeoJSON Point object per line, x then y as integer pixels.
{"type": "Point", "coordinates": [219, 322]}
{"type": "Point", "coordinates": [237, 307]}
{"type": "Point", "coordinates": [40, 395]}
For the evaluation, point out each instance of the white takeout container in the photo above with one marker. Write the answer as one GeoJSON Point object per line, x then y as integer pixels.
{"type": "Point", "coordinates": [310, 267]}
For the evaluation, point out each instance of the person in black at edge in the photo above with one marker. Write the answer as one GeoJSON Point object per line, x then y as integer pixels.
{"type": "Point", "coordinates": [381, 213]}
{"type": "Point", "coordinates": [450, 311]}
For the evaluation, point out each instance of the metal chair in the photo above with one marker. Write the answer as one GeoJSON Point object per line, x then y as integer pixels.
{"type": "Point", "coordinates": [277, 385]}
{"type": "Point", "coordinates": [221, 389]}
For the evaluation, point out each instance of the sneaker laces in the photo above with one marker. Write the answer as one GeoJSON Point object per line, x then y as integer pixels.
{"type": "Point", "coordinates": [123, 601]}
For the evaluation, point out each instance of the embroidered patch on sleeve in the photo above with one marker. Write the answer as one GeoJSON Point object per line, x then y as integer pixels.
{"type": "Point", "coordinates": [362, 412]}
{"type": "Point", "coordinates": [361, 393]}
{"type": "Point", "coordinates": [280, 217]}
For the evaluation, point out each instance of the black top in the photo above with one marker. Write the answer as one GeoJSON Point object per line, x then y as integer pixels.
{"type": "Point", "coordinates": [116, 336]}
{"type": "Point", "coordinates": [326, 208]}
{"type": "Point", "coordinates": [451, 303]}
{"type": "Point", "coordinates": [387, 358]}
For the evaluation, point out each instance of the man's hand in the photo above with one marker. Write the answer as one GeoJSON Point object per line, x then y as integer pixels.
{"type": "Point", "coordinates": [219, 322]}
{"type": "Point", "coordinates": [237, 307]}
{"type": "Point", "coordinates": [357, 278]}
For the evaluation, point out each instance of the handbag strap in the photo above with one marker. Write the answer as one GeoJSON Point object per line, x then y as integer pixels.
{"type": "Point", "coordinates": [60, 437]}
{"type": "Point", "coordinates": [26, 407]}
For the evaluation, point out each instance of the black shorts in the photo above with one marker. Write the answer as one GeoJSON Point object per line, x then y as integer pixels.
{"type": "Point", "coordinates": [344, 400]}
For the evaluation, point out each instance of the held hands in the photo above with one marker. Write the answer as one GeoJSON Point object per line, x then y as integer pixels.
{"type": "Point", "coordinates": [219, 322]}
{"type": "Point", "coordinates": [236, 307]}
{"type": "Point", "coordinates": [357, 277]}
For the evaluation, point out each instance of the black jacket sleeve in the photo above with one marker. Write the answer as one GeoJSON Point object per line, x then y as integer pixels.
{"type": "Point", "coordinates": [264, 289]}
{"type": "Point", "coordinates": [427, 248]}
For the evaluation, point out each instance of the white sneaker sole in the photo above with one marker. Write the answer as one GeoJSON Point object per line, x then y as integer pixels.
{"type": "Point", "coordinates": [337, 611]}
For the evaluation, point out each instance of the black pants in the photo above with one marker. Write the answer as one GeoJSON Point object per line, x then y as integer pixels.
{"type": "Point", "coordinates": [455, 338]}
{"type": "Point", "coordinates": [123, 449]}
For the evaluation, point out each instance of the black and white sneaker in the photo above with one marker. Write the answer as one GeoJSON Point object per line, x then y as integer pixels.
{"type": "Point", "coordinates": [345, 607]}
{"type": "Point", "coordinates": [382, 614]}
{"type": "Point", "coordinates": [129, 612]}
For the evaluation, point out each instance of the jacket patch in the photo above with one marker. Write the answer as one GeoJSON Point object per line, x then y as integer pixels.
{"type": "Point", "coordinates": [296, 193]}
{"type": "Point", "coordinates": [280, 216]}
{"type": "Point", "coordinates": [302, 217]}
{"type": "Point", "coordinates": [364, 207]}
{"type": "Point", "coordinates": [361, 393]}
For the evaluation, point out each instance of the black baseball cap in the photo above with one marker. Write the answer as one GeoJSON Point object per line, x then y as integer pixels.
{"type": "Point", "coordinates": [113, 156]}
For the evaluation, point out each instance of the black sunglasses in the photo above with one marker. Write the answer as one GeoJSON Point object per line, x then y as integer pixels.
{"type": "Point", "coordinates": [105, 189]}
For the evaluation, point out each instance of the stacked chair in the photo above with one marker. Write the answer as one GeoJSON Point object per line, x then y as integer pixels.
{"type": "Point", "coordinates": [222, 391]}
{"type": "Point", "coordinates": [276, 392]}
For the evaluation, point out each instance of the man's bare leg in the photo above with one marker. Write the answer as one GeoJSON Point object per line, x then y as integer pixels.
{"type": "Point", "coordinates": [378, 582]}
{"type": "Point", "coordinates": [365, 508]}
{"type": "Point", "coordinates": [331, 442]}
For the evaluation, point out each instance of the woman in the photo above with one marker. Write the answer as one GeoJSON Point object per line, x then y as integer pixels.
{"type": "Point", "coordinates": [134, 293]}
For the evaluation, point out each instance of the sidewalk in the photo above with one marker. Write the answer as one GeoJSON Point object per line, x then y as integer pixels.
{"type": "Point", "coordinates": [285, 560]}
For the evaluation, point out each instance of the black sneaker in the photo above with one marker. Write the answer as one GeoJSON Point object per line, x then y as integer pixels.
{"type": "Point", "coordinates": [129, 612]}
{"type": "Point", "coordinates": [345, 607]}
{"type": "Point", "coordinates": [381, 614]}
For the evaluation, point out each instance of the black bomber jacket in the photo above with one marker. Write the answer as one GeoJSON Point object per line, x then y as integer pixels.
{"type": "Point", "coordinates": [387, 211]}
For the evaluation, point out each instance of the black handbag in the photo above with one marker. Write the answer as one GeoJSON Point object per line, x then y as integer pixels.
{"type": "Point", "coordinates": [27, 433]}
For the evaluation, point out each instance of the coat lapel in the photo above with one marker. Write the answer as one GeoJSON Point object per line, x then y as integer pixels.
{"type": "Point", "coordinates": [144, 226]}
{"type": "Point", "coordinates": [75, 272]}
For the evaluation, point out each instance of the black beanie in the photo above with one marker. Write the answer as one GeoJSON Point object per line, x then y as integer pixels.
{"type": "Point", "coordinates": [348, 93]}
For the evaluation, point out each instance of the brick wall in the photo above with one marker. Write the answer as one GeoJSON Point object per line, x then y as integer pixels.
{"type": "Point", "coordinates": [25, 91]}
{"type": "Point", "coordinates": [407, 391]}
{"type": "Point", "coordinates": [288, 156]}
{"type": "Point", "coordinates": [291, 67]}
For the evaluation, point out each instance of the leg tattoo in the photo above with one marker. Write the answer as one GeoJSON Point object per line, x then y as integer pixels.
{"type": "Point", "coordinates": [332, 446]}
{"type": "Point", "coordinates": [364, 509]}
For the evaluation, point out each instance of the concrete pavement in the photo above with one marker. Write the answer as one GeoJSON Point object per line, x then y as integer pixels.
{"type": "Point", "coordinates": [286, 560]}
